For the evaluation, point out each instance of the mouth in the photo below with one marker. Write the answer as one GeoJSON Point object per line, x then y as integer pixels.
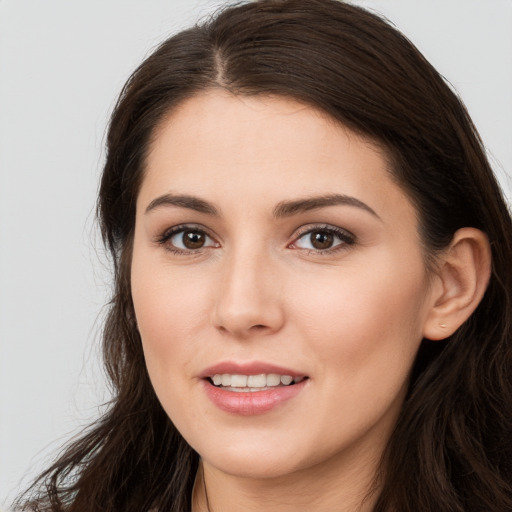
{"type": "Point", "coordinates": [240, 383]}
{"type": "Point", "coordinates": [252, 388]}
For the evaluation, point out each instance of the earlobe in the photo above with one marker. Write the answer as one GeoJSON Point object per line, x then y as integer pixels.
{"type": "Point", "coordinates": [462, 277]}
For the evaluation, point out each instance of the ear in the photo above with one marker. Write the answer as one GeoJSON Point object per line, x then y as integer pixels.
{"type": "Point", "coordinates": [460, 282]}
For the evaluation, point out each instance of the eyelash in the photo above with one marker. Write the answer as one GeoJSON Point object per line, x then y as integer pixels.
{"type": "Point", "coordinates": [167, 235]}
{"type": "Point", "coordinates": [345, 238]}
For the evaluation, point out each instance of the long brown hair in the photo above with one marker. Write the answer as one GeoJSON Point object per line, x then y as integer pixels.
{"type": "Point", "coordinates": [452, 446]}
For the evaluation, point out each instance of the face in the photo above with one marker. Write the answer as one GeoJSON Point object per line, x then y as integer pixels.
{"type": "Point", "coordinates": [279, 285]}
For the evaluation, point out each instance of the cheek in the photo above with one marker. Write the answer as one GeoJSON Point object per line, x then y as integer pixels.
{"type": "Point", "coordinates": [365, 321]}
{"type": "Point", "coordinates": [172, 313]}
{"type": "Point", "coordinates": [170, 316]}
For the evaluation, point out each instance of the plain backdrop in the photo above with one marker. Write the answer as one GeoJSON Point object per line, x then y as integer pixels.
{"type": "Point", "coordinates": [61, 66]}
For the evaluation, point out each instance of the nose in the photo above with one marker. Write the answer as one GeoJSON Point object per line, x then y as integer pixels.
{"type": "Point", "coordinates": [248, 300]}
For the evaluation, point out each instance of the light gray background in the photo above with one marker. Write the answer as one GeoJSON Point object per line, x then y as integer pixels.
{"type": "Point", "coordinates": [61, 66]}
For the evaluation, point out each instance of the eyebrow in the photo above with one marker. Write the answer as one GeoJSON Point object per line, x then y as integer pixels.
{"type": "Point", "coordinates": [182, 201]}
{"type": "Point", "coordinates": [289, 208]}
{"type": "Point", "coordinates": [283, 209]}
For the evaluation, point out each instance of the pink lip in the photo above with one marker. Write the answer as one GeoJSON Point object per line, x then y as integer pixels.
{"type": "Point", "coordinates": [252, 368]}
{"type": "Point", "coordinates": [249, 403]}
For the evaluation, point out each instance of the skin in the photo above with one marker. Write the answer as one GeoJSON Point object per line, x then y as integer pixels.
{"type": "Point", "coordinates": [351, 318]}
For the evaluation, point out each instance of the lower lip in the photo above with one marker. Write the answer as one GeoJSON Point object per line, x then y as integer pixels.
{"type": "Point", "coordinates": [250, 403]}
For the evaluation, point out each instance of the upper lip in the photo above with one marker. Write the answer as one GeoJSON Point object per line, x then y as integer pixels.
{"type": "Point", "coordinates": [247, 368]}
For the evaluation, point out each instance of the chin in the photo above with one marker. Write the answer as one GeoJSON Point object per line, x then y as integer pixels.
{"type": "Point", "coordinates": [254, 462]}
{"type": "Point", "coordinates": [254, 468]}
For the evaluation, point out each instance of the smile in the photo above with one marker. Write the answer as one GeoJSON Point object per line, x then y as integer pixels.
{"type": "Point", "coordinates": [252, 383]}
{"type": "Point", "coordinates": [249, 389]}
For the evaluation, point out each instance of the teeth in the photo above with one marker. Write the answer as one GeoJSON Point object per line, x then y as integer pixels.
{"type": "Point", "coordinates": [286, 379]}
{"type": "Point", "coordinates": [238, 381]}
{"type": "Point", "coordinates": [254, 381]}
{"type": "Point", "coordinates": [257, 381]}
{"type": "Point", "coordinates": [273, 379]}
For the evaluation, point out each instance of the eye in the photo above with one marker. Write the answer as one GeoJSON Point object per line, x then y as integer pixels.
{"type": "Point", "coordinates": [323, 239]}
{"type": "Point", "coordinates": [182, 239]}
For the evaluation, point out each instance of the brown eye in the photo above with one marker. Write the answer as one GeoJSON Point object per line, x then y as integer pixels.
{"type": "Point", "coordinates": [324, 239]}
{"type": "Point", "coordinates": [321, 239]}
{"type": "Point", "coordinates": [193, 239]}
{"type": "Point", "coordinates": [187, 239]}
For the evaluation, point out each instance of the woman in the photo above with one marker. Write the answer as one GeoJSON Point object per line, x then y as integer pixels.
{"type": "Point", "coordinates": [312, 302]}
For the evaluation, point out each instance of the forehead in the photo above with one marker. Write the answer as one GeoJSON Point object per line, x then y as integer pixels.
{"type": "Point", "coordinates": [262, 149]}
{"type": "Point", "coordinates": [239, 119]}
